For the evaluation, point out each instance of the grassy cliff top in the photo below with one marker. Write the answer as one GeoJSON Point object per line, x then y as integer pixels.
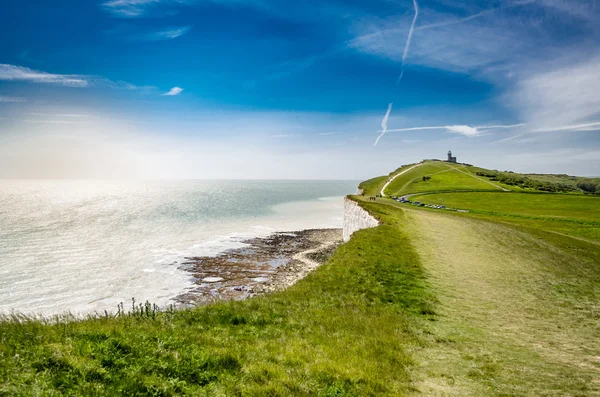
{"type": "Point", "coordinates": [439, 176]}
{"type": "Point", "coordinates": [501, 300]}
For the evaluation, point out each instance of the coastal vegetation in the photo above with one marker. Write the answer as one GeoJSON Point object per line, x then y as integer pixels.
{"type": "Point", "coordinates": [501, 300]}
{"type": "Point", "coordinates": [346, 329]}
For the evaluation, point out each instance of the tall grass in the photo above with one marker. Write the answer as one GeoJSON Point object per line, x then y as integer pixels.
{"type": "Point", "coordinates": [348, 329]}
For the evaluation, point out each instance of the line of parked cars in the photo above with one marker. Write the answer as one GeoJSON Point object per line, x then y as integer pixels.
{"type": "Point", "coordinates": [418, 203]}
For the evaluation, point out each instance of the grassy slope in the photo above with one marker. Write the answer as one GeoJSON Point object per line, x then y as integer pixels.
{"type": "Point", "coordinates": [348, 329]}
{"type": "Point", "coordinates": [548, 205]}
{"type": "Point", "coordinates": [373, 186]}
{"type": "Point", "coordinates": [517, 314]}
{"type": "Point", "coordinates": [444, 177]}
{"type": "Point", "coordinates": [519, 311]}
{"type": "Point", "coordinates": [574, 215]}
{"type": "Point", "coordinates": [566, 179]}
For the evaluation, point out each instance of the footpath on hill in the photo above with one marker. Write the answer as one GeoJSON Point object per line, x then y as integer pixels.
{"type": "Point", "coordinates": [518, 314]}
{"type": "Point", "coordinates": [396, 176]}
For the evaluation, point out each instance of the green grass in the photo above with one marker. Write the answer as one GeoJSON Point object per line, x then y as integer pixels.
{"type": "Point", "coordinates": [562, 206]}
{"type": "Point", "coordinates": [501, 301]}
{"type": "Point", "coordinates": [348, 329]}
{"type": "Point", "coordinates": [573, 215]}
{"type": "Point", "coordinates": [519, 309]}
{"type": "Point", "coordinates": [372, 187]}
{"type": "Point", "coordinates": [444, 177]}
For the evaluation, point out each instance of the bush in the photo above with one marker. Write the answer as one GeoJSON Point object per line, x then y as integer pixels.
{"type": "Point", "coordinates": [589, 186]}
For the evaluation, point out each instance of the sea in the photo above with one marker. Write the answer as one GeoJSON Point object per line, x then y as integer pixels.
{"type": "Point", "coordinates": [82, 247]}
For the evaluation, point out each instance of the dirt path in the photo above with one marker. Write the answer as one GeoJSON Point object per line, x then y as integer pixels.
{"type": "Point", "coordinates": [311, 265]}
{"type": "Point", "coordinates": [503, 329]}
{"type": "Point", "coordinates": [396, 176]}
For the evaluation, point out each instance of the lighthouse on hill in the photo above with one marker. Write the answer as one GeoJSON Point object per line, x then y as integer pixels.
{"type": "Point", "coordinates": [450, 158]}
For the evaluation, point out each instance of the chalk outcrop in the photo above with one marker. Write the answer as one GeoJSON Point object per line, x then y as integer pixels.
{"type": "Point", "coordinates": [356, 218]}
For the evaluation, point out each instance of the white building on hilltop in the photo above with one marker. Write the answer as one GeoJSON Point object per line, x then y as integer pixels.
{"type": "Point", "coordinates": [450, 158]}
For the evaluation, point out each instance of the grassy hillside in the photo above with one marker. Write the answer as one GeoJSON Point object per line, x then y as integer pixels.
{"type": "Point", "coordinates": [503, 300]}
{"type": "Point", "coordinates": [541, 182]}
{"type": "Point", "coordinates": [373, 186]}
{"type": "Point", "coordinates": [556, 206]}
{"type": "Point", "coordinates": [518, 309]}
{"type": "Point", "coordinates": [439, 176]}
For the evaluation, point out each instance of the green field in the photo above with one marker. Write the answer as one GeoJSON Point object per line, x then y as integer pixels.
{"type": "Point", "coordinates": [501, 301]}
{"type": "Point", "coordinates": [573, 215]}
{"type": "Point", "coordinates": [373, 186]}
{"type": "Point", "coordinates": [556, 206]}
{"type": "Point", "coordinates": [444, 177]}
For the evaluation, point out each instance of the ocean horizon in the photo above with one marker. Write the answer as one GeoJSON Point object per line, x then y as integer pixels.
{"type": "Point", "coordinates": [84, 246]}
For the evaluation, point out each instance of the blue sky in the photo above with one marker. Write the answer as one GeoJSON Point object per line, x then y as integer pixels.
{"type": "Point", "coordinates": [281, 89]}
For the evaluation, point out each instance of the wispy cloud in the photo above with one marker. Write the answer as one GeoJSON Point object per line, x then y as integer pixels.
{"type": "Point", "coordinates": [553, 96]}
{"type": "Point", "coordinates": [456, 21]}
{"type": "Point", "coordinates": [27, 75]}
{"type": "Point", "coordinates": [49, 122]}
{"type": "Point", "coordinates": [576, 127]}
{"type": "Point", "coordinates": [59, 115]}
{"type": "Point", "coordinates": [465, 130]}
{"type": "Point", "coordinates": [490, 127]}
{"type": "Point", "coordinates": [485, 41]}
{"type": "Point", "coordinates": [12, 99]}
{"type": "Point", "coordinates": [328, 133]}
{"type": "Point", "coordinates": [541, 134]}
{"type": "Point", "coordinates": [173, 91]}
{"type": "Point", "coordinates": [167, 34]}
{"type": "Point", "coordinates": [128, 8]}
{"type": "Point", "coordinates": [20, 73]}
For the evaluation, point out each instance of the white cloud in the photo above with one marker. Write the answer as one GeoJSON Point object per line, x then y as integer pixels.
{"type": "Point", "coordinates": [168, 34]}
{"type": "Point", "coordinates": [559, 96]}
{"type": "Point", "coordinates": [493, 127]}
{"type": "Point", "coordinates": [174, 91]}
{"type": "Point", "coordinates": [27, 75]}
{"type": "Point", "coordinates": [20, 73]}
{"type": "Point", "coordinates": [128, 8]}
{"type": "Point", "coordinates": [49, 122]}
{"type": "Point", "coordinates": [490, 43]}
{"type": "Point", "coordinates": [11, 99]}
{"type": "Point", "coordinates": [328, 133]}
{"type": "Point", "coordinates": [59, 115]}
{"type": "Point", "coordinates": [463, 130]}
{"type": "Point", "coordinates": [144, 8]}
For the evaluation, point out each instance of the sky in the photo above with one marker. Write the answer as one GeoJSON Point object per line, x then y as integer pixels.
{"type": "Point", "coordinates": [281, 89]}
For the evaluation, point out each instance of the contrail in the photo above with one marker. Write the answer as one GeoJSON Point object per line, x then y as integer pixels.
{"type": "Point", "coordinates": [384, 123]}
{"type": "Point", "coordinates": [489, 127]}
{"type": "Point", "coordinates": [441, 127]}
{"type": "Point", "coordinates": [466, 130]}
{"type": "Point", "coordinates": [409, 39]}
{"type": "Point", "coordinates": [448, 127]}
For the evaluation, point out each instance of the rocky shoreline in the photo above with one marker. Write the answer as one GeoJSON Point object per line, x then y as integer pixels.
{"type": "Point", "coordinates": [264, 265]}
